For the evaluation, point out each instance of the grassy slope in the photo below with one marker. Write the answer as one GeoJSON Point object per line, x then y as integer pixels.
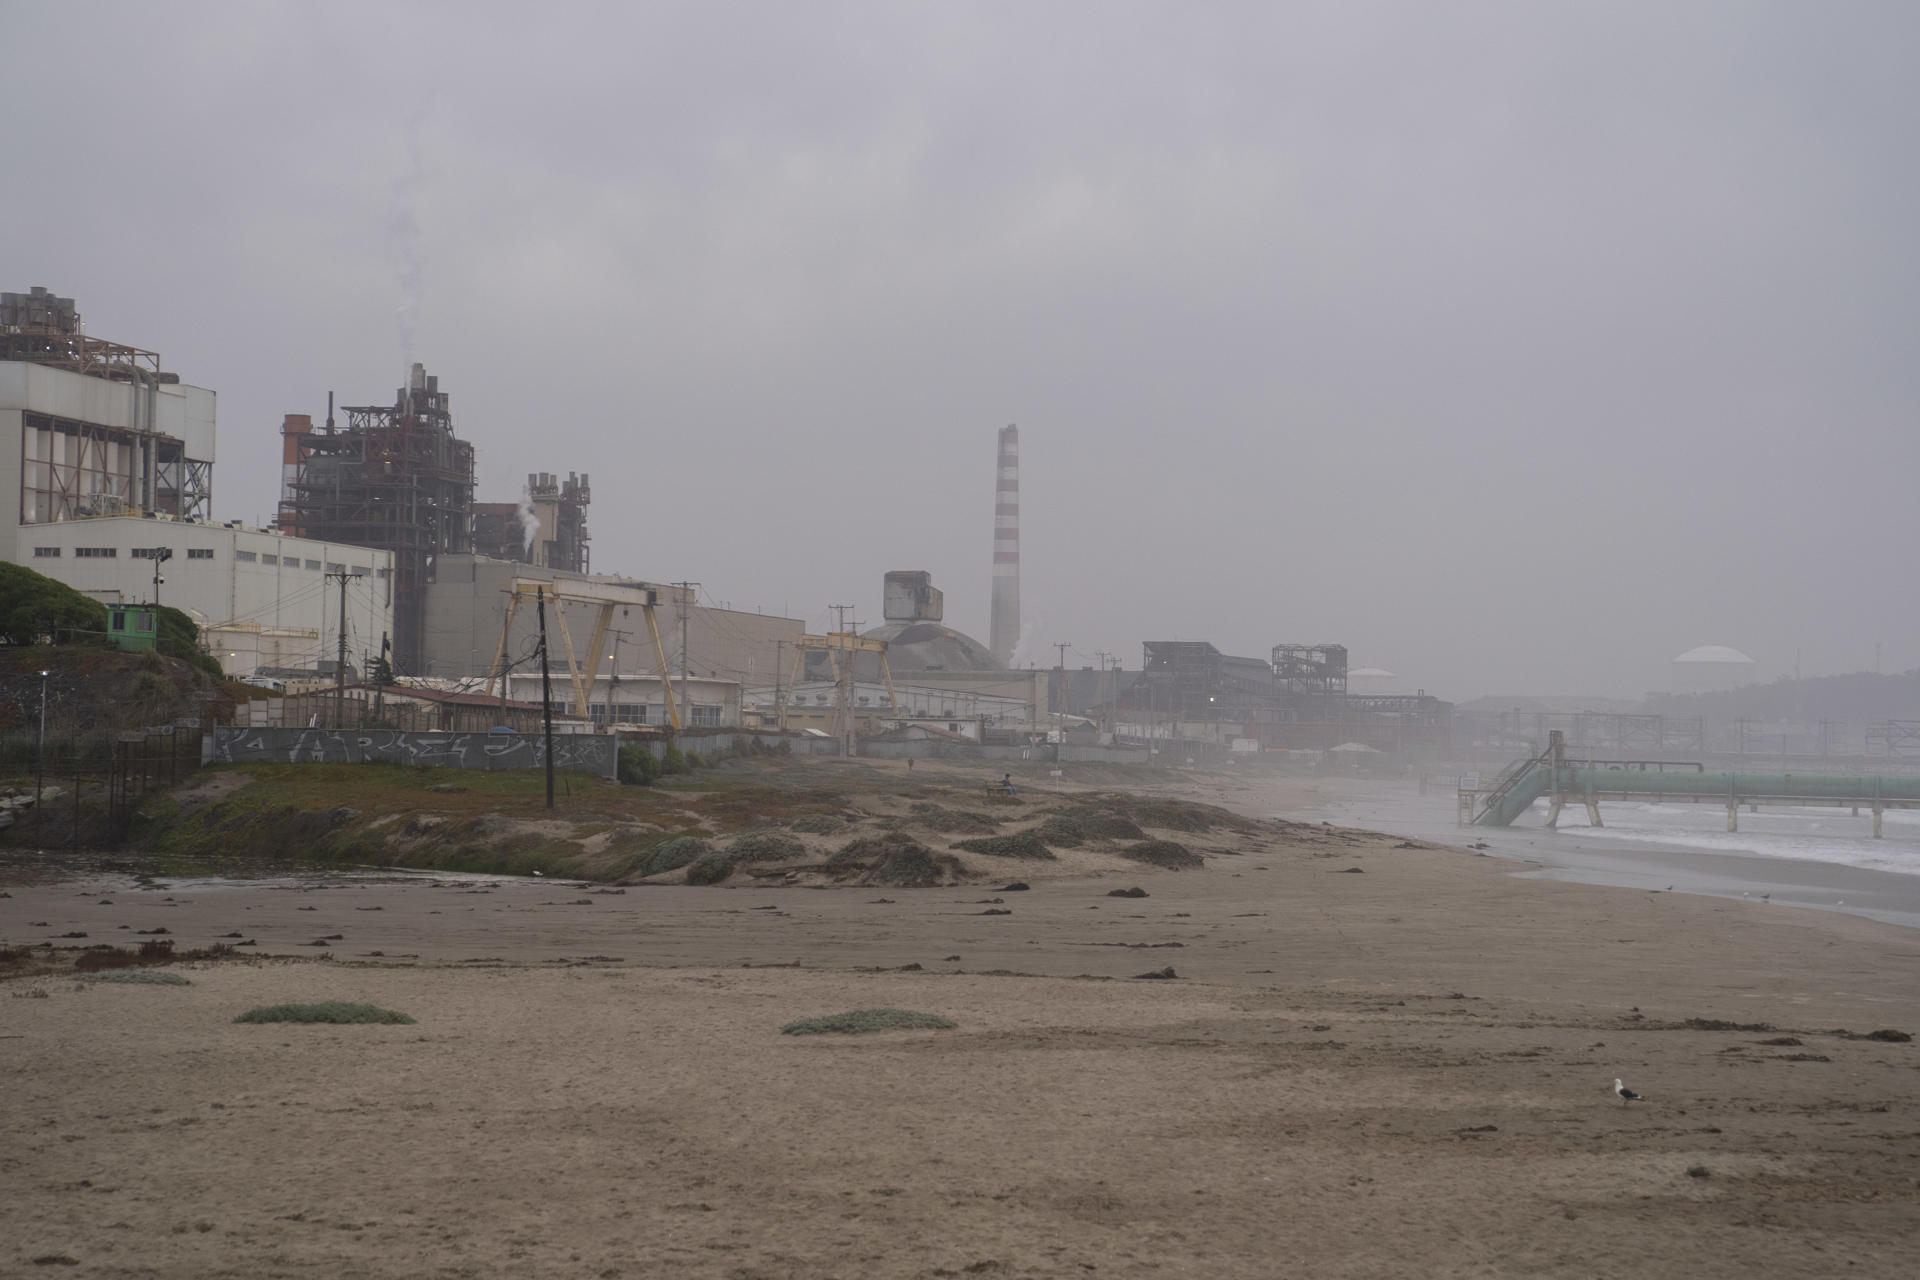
{"type": "Point", "coordinates": [498, 823]}
{"type": "Point", "coordinates": [494, 823]}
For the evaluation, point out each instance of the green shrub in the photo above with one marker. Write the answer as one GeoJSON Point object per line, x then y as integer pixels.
{"type": "Point", "coordinates": [766, 846]}
{"type": "Point", "coordinates": [33, 605]}
{"type": "Point", "coordinates": [677, 853]}
{"type": "Point", "coordinates": [710, 867]}
{"type": "Point", "coordinates": [331, 1011]}
{"type": "Point", "coordinates": [694, 761]}
{"type": "Point", "coordinates": [756, 846]}
{"type": "Point", "coordinates": [860, 1021]}
{"type": "Point", "coordinates": [951, 821]}
{"type": "Point", "coordinates": [897, 859]}
{"type": "Point", "coordinates": [673, 759]}
{"type": "Point", "coordinates": [1163, 853]}
{"type": "Point", "coordinates": [638, 766]}
{"type": "Point", "coordinates": [1077, 825]}
{"type": "Point", "coordinates": [816, 824]}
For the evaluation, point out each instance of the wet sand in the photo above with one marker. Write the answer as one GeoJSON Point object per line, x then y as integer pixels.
{"type": "Point", "coordinates": [1375, 1060]}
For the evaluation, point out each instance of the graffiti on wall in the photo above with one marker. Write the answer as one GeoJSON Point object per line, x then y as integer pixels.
{"type": "Point", "coordinates": [587, 753]}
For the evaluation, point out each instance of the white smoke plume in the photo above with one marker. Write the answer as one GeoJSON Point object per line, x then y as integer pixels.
{"type": "Point", "coordinates": [529, 522]}
{"type": "Point", "coordinates": [403, 230]}
{"type": "Point", "coordinates": [1029, 648]}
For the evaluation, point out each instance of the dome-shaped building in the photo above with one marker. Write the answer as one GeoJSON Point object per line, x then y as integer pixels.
{"type": "Point", "coordinates": [917, 639]}
{"type": "Point", "coordinates": [1710, 668]}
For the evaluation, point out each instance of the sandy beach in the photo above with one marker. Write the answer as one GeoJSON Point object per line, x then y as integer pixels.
{"type": "Point", "coordinates": [1378, 1057]}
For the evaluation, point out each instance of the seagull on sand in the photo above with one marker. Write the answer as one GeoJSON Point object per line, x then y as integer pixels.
{"type": "Point", "coordinates": [1625, 1094]}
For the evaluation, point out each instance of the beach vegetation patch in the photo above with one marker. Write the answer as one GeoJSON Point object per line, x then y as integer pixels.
{"type": "Point", "coordinates": [766, 846]}
{"type": "Point", "coordinates": [1170, 854]}
{"type": "Point", "coordinates": [862, 1021]}
{"type": "Point", "coordinates": [933, 817]}
{"type": "Point", "coordinates": [146, 977]}
{"type": "Point", "coordinates": [1020, 844]}
{"type": "Point", "coordinates": [1076, 825]}
{"type": "Point", "coordinates": [897, 859]}
{"type": "Point", "coordinates": [331, 1011]}
{"type": "Point", "coordinates": [677, 853]}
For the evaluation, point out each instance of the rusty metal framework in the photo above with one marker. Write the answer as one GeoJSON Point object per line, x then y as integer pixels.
{"type": "Point", "coordinates": [80, 354]}
{"type": "Point", "coordinates": [397, 479]}
{"type": "Point", "coordinates": [72, 470]}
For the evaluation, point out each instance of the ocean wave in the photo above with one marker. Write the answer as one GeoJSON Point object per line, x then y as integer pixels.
{"type": "Point", "coordinates": [1806, 834]}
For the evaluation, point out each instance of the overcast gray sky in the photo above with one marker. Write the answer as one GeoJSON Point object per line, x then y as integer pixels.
{"type": "Point", "coordinates": [1517, 346]}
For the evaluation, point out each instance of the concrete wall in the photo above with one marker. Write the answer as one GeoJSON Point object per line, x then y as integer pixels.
{"type": "Point", "coordinates": [921, 749]}
{"type": "Point", "coordinates": [796, 743]}
{"type": "Point", "coordinates": [466, 603]}
{"type": "Point", "coordinates": [581, 752]}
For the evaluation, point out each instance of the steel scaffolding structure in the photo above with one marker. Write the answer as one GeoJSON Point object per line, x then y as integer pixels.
{"type": "Point", "coordinates": [397, 479]}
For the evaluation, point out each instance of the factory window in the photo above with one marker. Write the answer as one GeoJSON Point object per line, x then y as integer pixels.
{"type": "Point", "coordinates": [146, 553]}
{"type": "Point", "coordinates": [623, 713]}
{"type": "Point", "coordinates": [97, 553]}
{"type": "Point", "coordinates": [705, 716]}
{"type": "Point", "coordinates": [334, 566]}
{"type": "Point", "coordinates": [383, 573]}
{"type": "Point", "coordinates": [359, 571]}
{"type": "Point", "coordinates": [46, 553]}
{"type": "Point", "coordinates": [199, 553]}
{"type": "Point", "coordinates": [247, 556]}
{"type": "Point", "coordinates": [267, 559]}
{"type": "Point", "coordinates": [313, 564]}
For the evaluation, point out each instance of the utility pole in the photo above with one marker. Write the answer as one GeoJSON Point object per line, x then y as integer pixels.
{"type": "Point", "coordinates": [1105, 692]}
{"type": "Point", "coordinates": [613, 677]}
{"type": "Point", "coordinates": [340, 663]}
{"type": "Point", "coordinates": [1062, 696]}
{"type": "Point", "coordinates": [546, 687]}
{"type": "Point", "coordinates": [40, 748]}
{"type": "Point", "coordinates": [779, 702]}
{"type": "Point", "coordinates": [160, 556]}
{"type": "Point", "coordinates": [380, 677]}
{"type": "Point", "coordinates": [843, 684]}
{"type": "Point", "coordinates": [686, 589]}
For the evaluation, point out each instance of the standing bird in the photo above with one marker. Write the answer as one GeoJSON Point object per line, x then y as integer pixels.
{"type": "Point", "coordinates": [1625, 1094]}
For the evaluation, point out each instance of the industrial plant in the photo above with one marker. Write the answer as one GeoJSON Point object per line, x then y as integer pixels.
{"type": "Point", "coordinates": [382, 561]}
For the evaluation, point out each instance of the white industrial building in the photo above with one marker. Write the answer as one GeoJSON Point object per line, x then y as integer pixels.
{"type": "Point", "coordinates": [112, 458]}
{"type": "Point", "coordinates": [264, 600]}
{"type": "Point", "coordinates": [1712, 668]}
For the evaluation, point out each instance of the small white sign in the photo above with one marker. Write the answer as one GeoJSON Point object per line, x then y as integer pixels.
{"type": "Point", "coordinates": [1469, 782]}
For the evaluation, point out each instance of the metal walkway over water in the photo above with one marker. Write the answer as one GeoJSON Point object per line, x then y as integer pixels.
{"type": "Point", "coordinates": [1563, 781]}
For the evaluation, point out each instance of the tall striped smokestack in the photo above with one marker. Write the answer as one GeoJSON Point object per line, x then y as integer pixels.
{"type": "Point", "coordinates": [1003, 637]}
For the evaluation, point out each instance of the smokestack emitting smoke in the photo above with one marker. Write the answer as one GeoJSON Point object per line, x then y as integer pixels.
{"type": "Point", "coordinates": [1003, 636]}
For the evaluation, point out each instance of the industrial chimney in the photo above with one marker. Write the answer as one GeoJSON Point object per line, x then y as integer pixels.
{"type": "Point", "coordinates": [1004, 632]}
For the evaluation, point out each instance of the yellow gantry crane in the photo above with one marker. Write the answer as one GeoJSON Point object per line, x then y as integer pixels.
{"type": "Point", "coordinates": [837, 645]}
{"type": "Point", "coordinates": [605, 598]}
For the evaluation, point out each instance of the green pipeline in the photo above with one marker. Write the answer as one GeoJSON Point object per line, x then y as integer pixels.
{"type": "Point", "coordinates": [1575, 782]}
